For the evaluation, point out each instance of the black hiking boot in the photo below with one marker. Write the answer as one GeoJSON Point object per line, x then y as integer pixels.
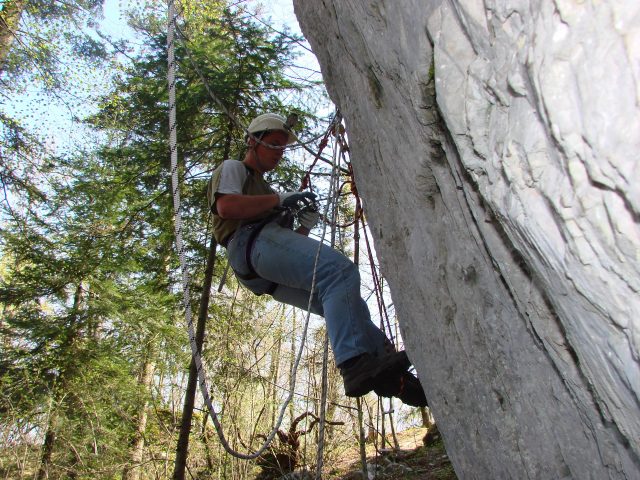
{"type": "Point", "coordinates": [361, 374]}
{"type": "Point", "coordinates": [405, 386]}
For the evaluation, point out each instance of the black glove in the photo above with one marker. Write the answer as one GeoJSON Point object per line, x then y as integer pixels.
{"type": "Point", "coordinates": [292, 199]}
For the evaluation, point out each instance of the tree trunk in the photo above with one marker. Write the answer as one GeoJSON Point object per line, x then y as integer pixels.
{"type": "Point", "coordinates": [333, 399]}
{"type": "Point", "coordinates": [9, 20]}
{"type": "Point", "coordinates": [396, 444]}
{"type": "Point", "coordinates": [5, 345]}
{"type": "Point", "coordinates": [47, 449]}
{"type": "Point", "coordinates": [189, 399]}
{"type": "Point", "coordinates": [227, 144]}
{"type": "Point", "coordinates": [205, 441]}
{"type": "Point", "coordinates": [132, 472]}
{"type": "Point", "coordinates": [291, 363]}
{"type": "Point", "coordinates": [362, 439]}
{"type": "Point", "coordinates": [60, 387]}
{"type": "Point", "coordinates": [274, 372]}
{"type": "Point", "coordinates": [383, 430]}
{"type": "Point", "coordinates": [426, 417]}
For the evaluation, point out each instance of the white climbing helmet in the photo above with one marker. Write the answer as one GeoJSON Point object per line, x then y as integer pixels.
{"type": "Point", "coordinates": [272, 121]}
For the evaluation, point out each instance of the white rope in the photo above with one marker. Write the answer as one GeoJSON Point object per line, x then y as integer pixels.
{"type": "Point", "coordinates": [185, 276]}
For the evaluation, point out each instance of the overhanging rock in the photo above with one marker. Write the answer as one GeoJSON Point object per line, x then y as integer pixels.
{"type": "Point", "coordinates": [496, 147]}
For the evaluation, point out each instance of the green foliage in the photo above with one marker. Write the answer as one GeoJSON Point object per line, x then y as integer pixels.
{"type": "Point", "coordinates": [48, 50]}
{"type": "Point", "coordinates": [36, 40]}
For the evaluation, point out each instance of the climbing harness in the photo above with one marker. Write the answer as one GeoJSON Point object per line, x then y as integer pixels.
{"type": "Point", "coordinates": [244, 239]}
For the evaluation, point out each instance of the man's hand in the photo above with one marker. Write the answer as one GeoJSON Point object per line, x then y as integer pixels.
{"type": "Point", "coordinates": [308, 219]}
{"type": "Point", "coordinates": [291, 199]}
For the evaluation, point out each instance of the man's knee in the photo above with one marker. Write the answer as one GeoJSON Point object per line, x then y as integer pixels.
{"type": "Point", "coordinates": [351, 273]}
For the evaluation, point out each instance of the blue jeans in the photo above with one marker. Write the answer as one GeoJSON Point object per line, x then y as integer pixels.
{"type": "Point", "coordinates": [287, 259]}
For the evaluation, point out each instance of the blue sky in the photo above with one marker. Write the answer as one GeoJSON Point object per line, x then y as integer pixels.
{"type": "Point", "coordinates": [53, 118]}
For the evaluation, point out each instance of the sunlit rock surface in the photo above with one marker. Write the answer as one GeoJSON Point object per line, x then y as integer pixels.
{"type": "Point", "coordinates": [496, 146]}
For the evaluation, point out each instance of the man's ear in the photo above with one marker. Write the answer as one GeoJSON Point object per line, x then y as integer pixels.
{"type": "Point", "coordinates": [250, 140]}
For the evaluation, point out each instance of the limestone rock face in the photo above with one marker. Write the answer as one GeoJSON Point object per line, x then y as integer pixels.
{"type": "Point", "coordinates": [496, 146]}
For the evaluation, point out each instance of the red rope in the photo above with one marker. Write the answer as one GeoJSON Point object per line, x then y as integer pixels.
{"type": "Point", "coordinates": [377, 283]}
{"type": "Point", "coordinates": [306, 181]}
{"type": "Point", "coordinates": [338, 132]}
{"type": "Point", "coordinates": [384, 316]}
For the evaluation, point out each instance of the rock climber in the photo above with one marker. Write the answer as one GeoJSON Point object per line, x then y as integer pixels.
{"type": "Point", "coordinates": [269, 257]}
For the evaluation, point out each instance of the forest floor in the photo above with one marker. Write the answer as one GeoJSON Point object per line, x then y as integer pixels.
{"type": "Point", "coordinates": [413, 460]}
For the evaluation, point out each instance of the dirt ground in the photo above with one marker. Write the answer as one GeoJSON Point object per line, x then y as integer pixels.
{"type": "Point", "coordinates": [412, 460]}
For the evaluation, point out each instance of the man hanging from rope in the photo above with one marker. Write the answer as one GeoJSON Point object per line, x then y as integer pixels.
{"type": "Point", "coordinates": [267, 256]}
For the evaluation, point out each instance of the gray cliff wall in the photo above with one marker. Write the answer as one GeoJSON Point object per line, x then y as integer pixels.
{"type": "Point", "coordinates": [496, 145]}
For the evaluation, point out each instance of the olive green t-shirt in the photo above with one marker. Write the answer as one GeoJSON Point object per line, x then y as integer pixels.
{"type": "Point", "coordinates": [234, 177]}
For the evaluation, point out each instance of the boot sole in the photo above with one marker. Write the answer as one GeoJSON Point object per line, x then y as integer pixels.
{"type": "Point", "coordinates": [411, 393]}
{"type": "Point", "coordinates": [392, 364]}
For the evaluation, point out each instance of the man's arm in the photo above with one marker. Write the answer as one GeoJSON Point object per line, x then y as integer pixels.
{"type": "Point", "coordinates": [232, 206]}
